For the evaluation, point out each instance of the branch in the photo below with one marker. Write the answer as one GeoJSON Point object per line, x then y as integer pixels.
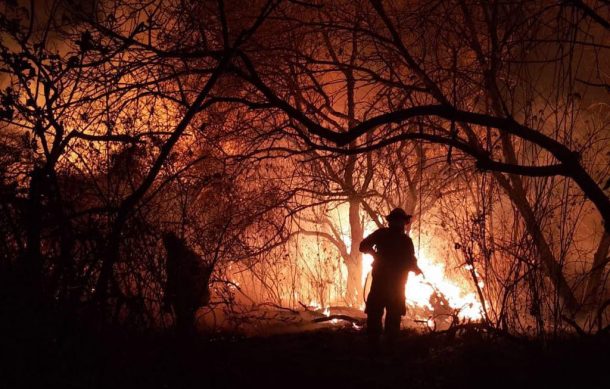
{"type": "Point", "coordinates": [590, 13]}
{"type": "Point", "coordinates": [101, 138]}
{"type": "Point", "coordinates": [532, 171]}
{"type": "Point", "coordinates": [338, 243]}
{"type": "Point", "coordinates": [338, 317]}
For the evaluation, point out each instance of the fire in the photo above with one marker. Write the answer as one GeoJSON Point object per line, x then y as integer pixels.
{"type": "Point", "coordinates": [420, 288]}
{"type": "Point", "coordinates": [421, 291]}
{"type": "Point", "coordinates": [314, 305]}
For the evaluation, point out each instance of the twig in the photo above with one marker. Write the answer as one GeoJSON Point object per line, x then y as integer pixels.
{"type": "Point", "coordinates": [574, 325]}
{"type": "Point", "coordinates": [338, 317]}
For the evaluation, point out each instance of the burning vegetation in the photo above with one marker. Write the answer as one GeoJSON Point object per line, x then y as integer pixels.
{"type": "Point", "coordinates": [213, 167]}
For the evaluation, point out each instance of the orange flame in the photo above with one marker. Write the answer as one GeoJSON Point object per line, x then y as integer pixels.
{"type": "Point", "coordinates": [419, 289]}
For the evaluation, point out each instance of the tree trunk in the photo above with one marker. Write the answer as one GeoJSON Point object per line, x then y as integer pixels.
{"type": "Point", "coordinates": [31, 268]}
{"type": "Point", "coordinates": [516, 192]}
{"type": "Point", "coordinates": [354, 293]}
{"type": "Point", "coordinates": [550, 265]}
{"type": "Point", "coordinates": [600, 260]}
{"type": "Point", "coordinates": [354, 263]}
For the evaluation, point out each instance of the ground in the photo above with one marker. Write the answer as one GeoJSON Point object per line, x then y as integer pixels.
{"type": "Point", "coordinates": [332, 357]}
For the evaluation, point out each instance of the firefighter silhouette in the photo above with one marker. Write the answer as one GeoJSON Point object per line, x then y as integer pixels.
{"type": "Point", "coordinates": [188, 277]}
{"type": "Point", "coordinates": [394, 256]}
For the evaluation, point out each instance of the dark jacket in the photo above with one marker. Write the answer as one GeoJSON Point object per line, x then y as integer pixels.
{"type": "Point", "coordinates": [394, 257]}
{"type": "Point", "coordinates": [392, 250]}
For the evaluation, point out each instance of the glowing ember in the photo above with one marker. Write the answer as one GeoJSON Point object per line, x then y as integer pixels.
{"type": "Point", "coordinates": [317, 307]}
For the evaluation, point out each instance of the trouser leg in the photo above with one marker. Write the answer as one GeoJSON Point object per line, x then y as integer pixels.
{"type": "Point", "coordinates": [185, 321]}
{"type": "Point", "coordinates": [392, 322]}
{"type": "Point", "coordinates": [373, 322]}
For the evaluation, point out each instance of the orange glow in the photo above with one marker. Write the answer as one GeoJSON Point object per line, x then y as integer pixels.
{"type": "Point", "coordinates": [420, 288]}
{"type": "Point", "coordinates": [320, 277]}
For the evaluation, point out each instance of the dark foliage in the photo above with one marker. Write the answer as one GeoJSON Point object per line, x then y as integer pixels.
{"type": "Point", "coordinates": [320, 359]}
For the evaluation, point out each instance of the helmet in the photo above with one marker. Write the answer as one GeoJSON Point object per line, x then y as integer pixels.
{"type": "Point", "coordinates": [398, 214]}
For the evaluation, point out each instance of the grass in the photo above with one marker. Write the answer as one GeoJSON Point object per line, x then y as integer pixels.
{"type": "Point", "coordinates": [334, 357]}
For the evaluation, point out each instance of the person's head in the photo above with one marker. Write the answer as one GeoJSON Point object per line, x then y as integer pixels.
{"type": "Point", "coordinates": [398, 219]}
{"type": "Point", "coordinates": [170, 240]}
